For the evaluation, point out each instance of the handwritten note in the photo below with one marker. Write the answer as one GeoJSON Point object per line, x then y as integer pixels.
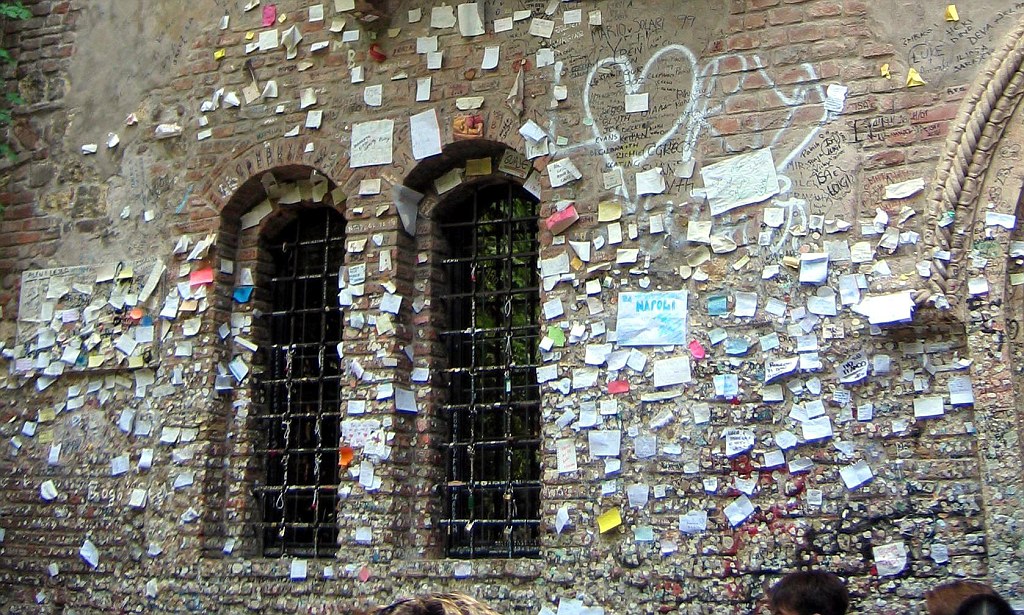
{"type": "Point", "coordinates": [740, 180]}
{"type": "Point", "coordinates": [372, 143]}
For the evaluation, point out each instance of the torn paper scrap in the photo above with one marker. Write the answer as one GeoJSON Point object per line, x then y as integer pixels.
{"type": "Point", "coordinates": [904, 190]}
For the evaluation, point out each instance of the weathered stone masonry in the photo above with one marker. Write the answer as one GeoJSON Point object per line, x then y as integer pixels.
{"type": "Point", "coordinates": [722, 80]}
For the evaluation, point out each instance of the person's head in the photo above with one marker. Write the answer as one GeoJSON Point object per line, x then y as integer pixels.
{"type": "Point", "coordinates": [947, 598]}
{"type": "Point", "coordinates": [985, 604]}
{"type": "Point", "coordinates": [809, 592]}
{"type": "Point", "coordinates": [438, 604]}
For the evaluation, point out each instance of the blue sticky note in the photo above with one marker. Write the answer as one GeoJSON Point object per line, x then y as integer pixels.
{"type": "Point", "coordinates": [242, 294]}
{"type": "Point", "coordinates": [718, 305]}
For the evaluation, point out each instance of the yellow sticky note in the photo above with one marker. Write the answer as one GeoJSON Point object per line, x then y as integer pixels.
{"type": "Point", "coordinates": [478, 166]}
{"type": "Point", "coordinates": [282, 18]}
{"type": "Point", "coordinates": [250, 35]}
{"type": "Point", "coordinates": [219, 54]}
{"type": "Point", "coordinates": [135, 362]}
{"type": "Point", "coordinates": [46, 415]}
{"type": "Point", "coordinates": [609, 520]}
{"type": "Point", "coordinates": [45, 436]}
{"type": "Point", "coordinates": [885, 71]}
{"type": "Point", "coordinates": [951, 14]}
{"type": "Point", "coordinates": [914, 78]}
{"type": "Point", "coordinates": [608, 211]}
{"type": "Point", "coordinates": [95, 360]}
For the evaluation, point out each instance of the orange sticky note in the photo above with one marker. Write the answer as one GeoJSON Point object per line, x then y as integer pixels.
{"type": "Point", "coordinates": [609, 520]}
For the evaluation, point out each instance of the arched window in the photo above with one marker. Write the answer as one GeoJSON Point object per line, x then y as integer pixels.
{"type": "Point", "coordinates": [299, 411]}
{"type": "Point", "coordinates": [492, 482]}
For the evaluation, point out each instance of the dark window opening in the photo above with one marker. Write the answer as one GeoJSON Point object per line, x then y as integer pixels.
{"type": "Point", "coordinates": [300, 410]}
{"type": "Point", "coordinates": [492, 486]}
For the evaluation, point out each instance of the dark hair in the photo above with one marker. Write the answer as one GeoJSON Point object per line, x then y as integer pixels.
{"type": "Point", "coordinates": [947, 598]}
{"type": "Point", "coordinates": [437, 604]}
{"type": "Point", "coordinates": [810, 591]}
{"type": "Point", "coordinates": [985, 604]}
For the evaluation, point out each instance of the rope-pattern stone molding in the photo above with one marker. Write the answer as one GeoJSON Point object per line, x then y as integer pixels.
{"type": "Point", "coordinates": [976, 131]}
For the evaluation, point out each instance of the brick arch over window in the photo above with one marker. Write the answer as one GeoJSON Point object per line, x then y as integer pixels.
{"type": "Point", "coordinates": [477, 334]}
{"type": "Point", "coordinates": [279, 225]}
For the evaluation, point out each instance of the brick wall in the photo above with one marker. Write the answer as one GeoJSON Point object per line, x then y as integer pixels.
{"type": "Point", "coordinates": [723, 80]}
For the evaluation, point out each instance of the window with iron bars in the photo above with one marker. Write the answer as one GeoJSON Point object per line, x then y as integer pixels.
{"type": "Point", "coordinates": [492, 486]}
{"type": "Point", "coordinates": [299, 411]}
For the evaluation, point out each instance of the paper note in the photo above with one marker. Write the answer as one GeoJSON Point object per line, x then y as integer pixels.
{"type": "Point", "coordinates": [608, 521]}
{"type": "Point", "coordinates": [738, 511]}
{"type": "Point", "coordinates": [650, 182]}
{"type": "Point", "coordinates": [604, 443]}
{"type": "Point", "coordinates": [740, 180]}
{"type": "Point", "coordinates": [856, 475]}
{"type": "Point", "coordinates": [470, 21]}
{"type": "Point", "coordinates": [543, 28]}
{"type": "Point", "coordinates": [905, 189]}
{"type": "Point", "coordinates": [890, 559]}
{"type": "Point", "coordinates": [373, 95]}
{"type": "Point", "coordinates": [652, 319]}
{"type": "Point", "coordinates": [636, 103]}
{"type": "Point", "coordinates": [668, 372]}
{"type": "Point", "coordinates": [961, 391]}
{"type": "Point", "coordinates": [928, 407]}
{"type": "Point", "coordinates": [372, 143]}
{"type": "Point", "coordinates": [561, 172]}
{"type": "Point", "coordinates": [426, 134]}
{"type": "Point", "coordinates": [442, 16]}
{"type": "Point", "coordinates": [914, 78]}
{"type": "Point", "coordinates": [565, 454]}
{"type": "Point", "coordinates": [490, 60]}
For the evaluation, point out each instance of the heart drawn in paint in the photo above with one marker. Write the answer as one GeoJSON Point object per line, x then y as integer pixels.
{"type": "Point", "coordinates": [675, 82]}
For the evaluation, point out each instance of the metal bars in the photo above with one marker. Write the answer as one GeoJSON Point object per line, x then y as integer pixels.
{"type": "Point", "coordinates": [492, 485]}
{"type": "Point", "coordinates": [300, 409]}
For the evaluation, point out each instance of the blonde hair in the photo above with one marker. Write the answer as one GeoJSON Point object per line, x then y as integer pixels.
{"type": "Point", "coordinates": [438, 604]}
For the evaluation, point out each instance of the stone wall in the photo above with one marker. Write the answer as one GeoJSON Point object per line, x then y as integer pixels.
{"type": "Point", "coordinates": [841, 425]}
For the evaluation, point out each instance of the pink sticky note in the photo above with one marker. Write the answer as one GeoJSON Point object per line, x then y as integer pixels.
{"type": "Point", "coordinates": [561, 220]}
{"type": "Point", "coordinates": [269, 15]}
{"type": "Point", "coordinates": [618, 386]}
{"type": "Point", "coordinates": [201, 276]}
{"type": "Point", "coordinates": [696, 350]}
{"type": "Point", "coordinates": [364, 574]}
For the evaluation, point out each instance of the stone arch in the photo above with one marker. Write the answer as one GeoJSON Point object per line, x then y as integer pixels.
{"type": "Point", "coordinates": [955, 202]}
{"type": "Point", "coordinates": [981, 170]}
{"type": "Point", "coordinates": [327, 157]}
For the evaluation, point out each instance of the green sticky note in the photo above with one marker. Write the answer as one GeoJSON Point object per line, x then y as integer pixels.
{"type": "Point", "coordinates": [557, 335]}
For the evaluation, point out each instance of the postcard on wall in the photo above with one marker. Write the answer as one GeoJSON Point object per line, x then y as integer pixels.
{"type": "Point", "coordinates": [652, 318]}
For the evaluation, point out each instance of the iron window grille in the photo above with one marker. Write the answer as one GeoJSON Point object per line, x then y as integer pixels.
{"type": "Point", "coordinates": [300, 407]}
{"type": "Point", "coordinates": [492, 485]}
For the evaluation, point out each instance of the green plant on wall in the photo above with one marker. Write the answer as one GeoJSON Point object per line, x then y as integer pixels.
{"type": "Point", "coordinates": [9, 10]}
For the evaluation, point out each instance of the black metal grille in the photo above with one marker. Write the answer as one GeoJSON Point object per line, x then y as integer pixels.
{"type": "Point", "coordinates": [492, 488]}
{"type": "Point", "coordinates": [300, 410]}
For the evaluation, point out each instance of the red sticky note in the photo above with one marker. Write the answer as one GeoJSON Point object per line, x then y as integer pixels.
{"type": "Point", "coordinates": [201, 276]}
{"type": "Point", "coordinates": [696, 350]}
{"type": "Point", "coordinates": [618, 386]}
{"type": "Point", "coordinates": [269, 15]}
